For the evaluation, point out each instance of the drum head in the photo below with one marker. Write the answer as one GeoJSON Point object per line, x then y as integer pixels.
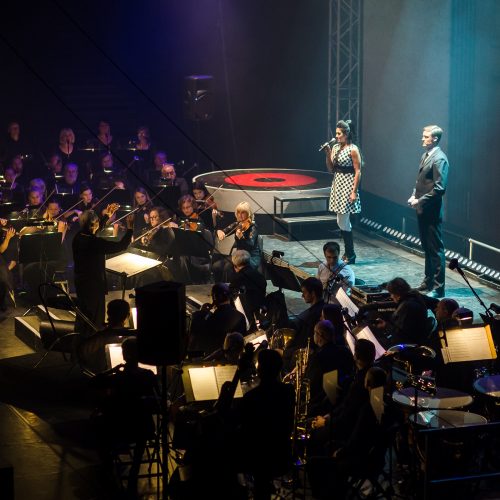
{"type": "Point", "coordinates": [448, 399]}
{"type": "Point", "coordinates": [489, 386]}
{"type": "Point", "coordinates": [446, 419]}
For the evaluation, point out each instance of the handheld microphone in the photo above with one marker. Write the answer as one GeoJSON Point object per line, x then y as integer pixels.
{"type": "Point", "coordinates": [330, 143]}
{"type": "Point", "coordinates": [454, 265]}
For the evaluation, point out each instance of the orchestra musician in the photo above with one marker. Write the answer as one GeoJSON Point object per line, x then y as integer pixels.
{"type": "Point", "coordinates": [35, 200]}
{"type": "Point", "coordinates": [246, 237]}
{"type": "Point", "coordinates": [250, 284]}
{"type": "Point", "coordinates": [158, 238]}
{"type": "Point", "coordinates": [54, 170]}
{"type": "Point", "coordinates": [197, 269]}
{"type": "Point", "coordinates": [13, 190]}
{"type": "Point", "coordinates": [70, 183]}
{"type": "Point", "coordinates": [209, 329]}
{"type": "Point", "coordinates": [89, 255]}
{"type": "Point", "coordinates": [142, 206]}
{"type": "Point", "coordinates": [334, 273]}
{"type": "Point", "coordinates": [104, 135]}
{"type": "Point", "coordinates": [52, 211]}
{"type": "Point", "coordinates": [168, 176]}
{"type": "Point", "coordinates": [206, 206]}
{"type": "Point", "coordinates": [6, 265]}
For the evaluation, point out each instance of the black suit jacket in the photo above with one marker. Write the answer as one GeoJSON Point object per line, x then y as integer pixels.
{"type": "Point", "coordinates": [208, 330]}
{"type": "Point", "coordinates": [431, 183]}
{"type": "Point", "coordinates": [254, 294]}
{"type": "Point", "coordinates": [89, 255]}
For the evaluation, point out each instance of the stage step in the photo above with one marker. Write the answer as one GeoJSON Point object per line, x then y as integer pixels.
{"type": "Point", "coordinates": [27, 328]}
{"type": "Point", "coordinates": [313, 227]}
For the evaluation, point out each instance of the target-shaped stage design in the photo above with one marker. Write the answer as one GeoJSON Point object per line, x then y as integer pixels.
{"type": "Point", "coordinates": [260, 186]}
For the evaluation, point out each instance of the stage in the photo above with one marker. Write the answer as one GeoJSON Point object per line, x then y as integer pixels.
{"type": "Point", "coordinates": [45, 411]}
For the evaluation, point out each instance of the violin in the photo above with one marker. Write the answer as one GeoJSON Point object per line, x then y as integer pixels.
{"type": "Point", "coordinates": [234, 227]}
{"type": "Point", "coordinates": [244, 225]}
{"type": "Point", "coordinates": [191, 223]}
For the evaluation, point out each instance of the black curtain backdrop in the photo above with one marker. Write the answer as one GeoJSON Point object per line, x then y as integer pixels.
{"type": "Point", "coordinates": [268, 59]}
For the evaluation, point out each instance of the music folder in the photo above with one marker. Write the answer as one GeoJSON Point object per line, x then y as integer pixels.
{"type": "Point", "coordinates": [204, 383]}
{"type": "Point", "coordinates": [367, 334]}
{"type": "Point", "coordinates": [473, 343]}
{"type": "Point", "coordinates": [344, 300]}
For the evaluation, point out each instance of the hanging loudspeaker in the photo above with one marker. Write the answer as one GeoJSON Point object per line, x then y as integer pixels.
{"type": "Point", "coordinates": [198, 97]}
{"type": "Point", "coordinates": [161, 323]}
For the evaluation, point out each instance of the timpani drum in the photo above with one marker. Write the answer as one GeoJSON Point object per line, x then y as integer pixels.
{"type": "Point", "coordinates": [413, 358]}
{"type": "Point", "coordinates": [488, 389]}
{"type": "Point", "coordinates": [446, 419]}
{"type": "Point", "coordinates": [449, 455]}
{"type": "Point", "coordinates": [444, 399]}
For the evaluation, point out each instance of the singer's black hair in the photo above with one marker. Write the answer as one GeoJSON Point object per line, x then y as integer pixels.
{"type": "Point", "coordinates": [347, 128]}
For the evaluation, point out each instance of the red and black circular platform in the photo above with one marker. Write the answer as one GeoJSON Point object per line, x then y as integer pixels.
{"type": "Point", "coordinates": [261, 186]}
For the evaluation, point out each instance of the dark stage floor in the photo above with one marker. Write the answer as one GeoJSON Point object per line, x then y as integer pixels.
{"type": "Point", "coordinates": [44, 413]}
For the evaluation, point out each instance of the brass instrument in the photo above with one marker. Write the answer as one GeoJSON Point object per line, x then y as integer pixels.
{"type": "Point", "coordinates": [302, 397]}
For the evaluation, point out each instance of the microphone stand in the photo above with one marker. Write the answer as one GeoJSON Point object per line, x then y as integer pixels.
{"type": "Point", "coordinates": [460, 271]}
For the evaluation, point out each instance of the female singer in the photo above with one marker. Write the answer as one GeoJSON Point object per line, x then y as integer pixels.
{"type": "Point", "coordinates": [344, 161]}
{"type": "Point", "coordinates": [246, 238]}
{"type": "Point", "coordinates": [141, 216]}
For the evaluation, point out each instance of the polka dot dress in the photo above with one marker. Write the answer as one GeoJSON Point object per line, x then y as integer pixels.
{"type": "Point", "coordinates": [342, 184]}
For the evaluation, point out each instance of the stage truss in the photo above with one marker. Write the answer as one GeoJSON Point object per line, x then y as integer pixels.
{"type": "Point", "coordinates": [344, 63]}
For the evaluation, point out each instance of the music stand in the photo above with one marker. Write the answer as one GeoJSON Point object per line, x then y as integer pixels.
{"type": "Point", "coordinates": [282, 277]}
{"type": "Point", "coordinates": [129, 264]}
{"type": "Point", "coordinates": [40, 247]}
{"type": "Point", "coordinates": [190, 243]}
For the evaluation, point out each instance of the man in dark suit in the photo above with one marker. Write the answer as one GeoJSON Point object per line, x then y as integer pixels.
{"type": "Point", "coordinates": [427, 199]}
{"type": "Point", "coordinates": [250, 284]}
{"type": "Point", "coordinates": [89, 255]}
{"type": "Point", "coordinates": [208, 330]}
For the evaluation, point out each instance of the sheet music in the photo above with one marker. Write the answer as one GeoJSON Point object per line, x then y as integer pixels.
{"type": "Point", "coordinates": [204, 383]}
{"type": "Point", "coordinates": [344, 300]}
{"type": "Point", "coordinates": [226, 373]}
{"type": "Point", "coordinates": [115, 356]}
{"type": "Point", "coordinates": [367, 334]}
{"type": "Point", "coordinates": [351, 341]}
{"type": "Point", "coordinates": [377, 402]}
{"type": "Point", "coordinates": [256, 338]}
{"type": "Point", "coordinates": [468, 344]}
{"type": "Point", "coordinates": [207, 381]}
{"type": "Point", "coordinates": [330, 384]}
{"type": "Point", "coordinates": [130, 263]}
{"type": "Point", "coordinates": [239, 307]}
